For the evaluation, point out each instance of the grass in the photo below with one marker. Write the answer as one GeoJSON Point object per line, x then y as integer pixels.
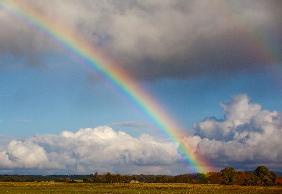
{"type": "Point", "coordinates": [83, 188]}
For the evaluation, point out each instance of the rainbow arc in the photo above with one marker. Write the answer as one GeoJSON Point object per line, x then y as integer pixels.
{"type": "Point", "coordinates": [111, 71]}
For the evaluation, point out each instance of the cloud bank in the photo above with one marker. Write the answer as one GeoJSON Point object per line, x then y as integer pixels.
{"type": "Point", "coordinates": [87, 150]}
{"type": "Point", "coordinates": [245, 137]}
{"type": "Point", "coordinates": [160, 38]}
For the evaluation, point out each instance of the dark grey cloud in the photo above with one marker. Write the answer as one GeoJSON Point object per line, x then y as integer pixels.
{"type": "Point", "coordinates": [161, 38]}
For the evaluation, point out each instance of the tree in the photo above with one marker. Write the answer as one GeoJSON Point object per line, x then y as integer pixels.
{"type": "Point", "coordinates": [109, 178]}
{"type": "Point", "coordinates": [246, 178]}
{"type": "Point", "coordinates": [265, 177]}
{"type": "Point", "coordinates": [228, 175]}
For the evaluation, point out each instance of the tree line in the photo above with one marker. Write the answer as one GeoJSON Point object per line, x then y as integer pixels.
{"type": "Point", "coordinates": [228, 176]}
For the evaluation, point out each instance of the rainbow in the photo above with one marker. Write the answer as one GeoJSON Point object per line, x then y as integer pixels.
{"type": "Point", "coordinates": [112, 72]}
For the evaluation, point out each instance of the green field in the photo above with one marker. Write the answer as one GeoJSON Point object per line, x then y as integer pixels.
{"type": "Point", "coordinates": [81, 188]}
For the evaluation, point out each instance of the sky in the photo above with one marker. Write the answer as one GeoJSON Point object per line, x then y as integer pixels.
{"type": "Point", "coordinates": [214, 66]}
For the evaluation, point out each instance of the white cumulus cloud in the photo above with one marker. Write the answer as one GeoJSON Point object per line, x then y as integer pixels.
{"type": "Point", "coordinates": [248, 135]}
{"type": "Point", "coordinates": [88, 150]}
{"type": "Point", "coordinates": [245, 137]}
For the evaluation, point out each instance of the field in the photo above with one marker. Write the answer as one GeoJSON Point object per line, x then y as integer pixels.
{"type": "Point", "coordinates": [81, 188]}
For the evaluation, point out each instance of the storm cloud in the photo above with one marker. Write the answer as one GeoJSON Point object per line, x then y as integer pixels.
{"type": "Point", "coordinates": [160, 38]}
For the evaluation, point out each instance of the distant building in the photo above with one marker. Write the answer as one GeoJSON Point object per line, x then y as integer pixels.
{"type": "Point", "coordinates": [134, 181]}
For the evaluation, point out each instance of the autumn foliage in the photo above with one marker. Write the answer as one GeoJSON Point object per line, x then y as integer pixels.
{"type": "Point", "coordinates": [261, 176]}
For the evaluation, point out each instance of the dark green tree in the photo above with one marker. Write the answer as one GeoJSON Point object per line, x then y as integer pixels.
{"type": "Point", "coordinates": [265, 177]}
{"type": "Point", "coordinates": [228, 175]}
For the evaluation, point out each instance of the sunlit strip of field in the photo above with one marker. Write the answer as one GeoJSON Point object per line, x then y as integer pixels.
{"type": "Point", "coordinates": [81, 188]}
